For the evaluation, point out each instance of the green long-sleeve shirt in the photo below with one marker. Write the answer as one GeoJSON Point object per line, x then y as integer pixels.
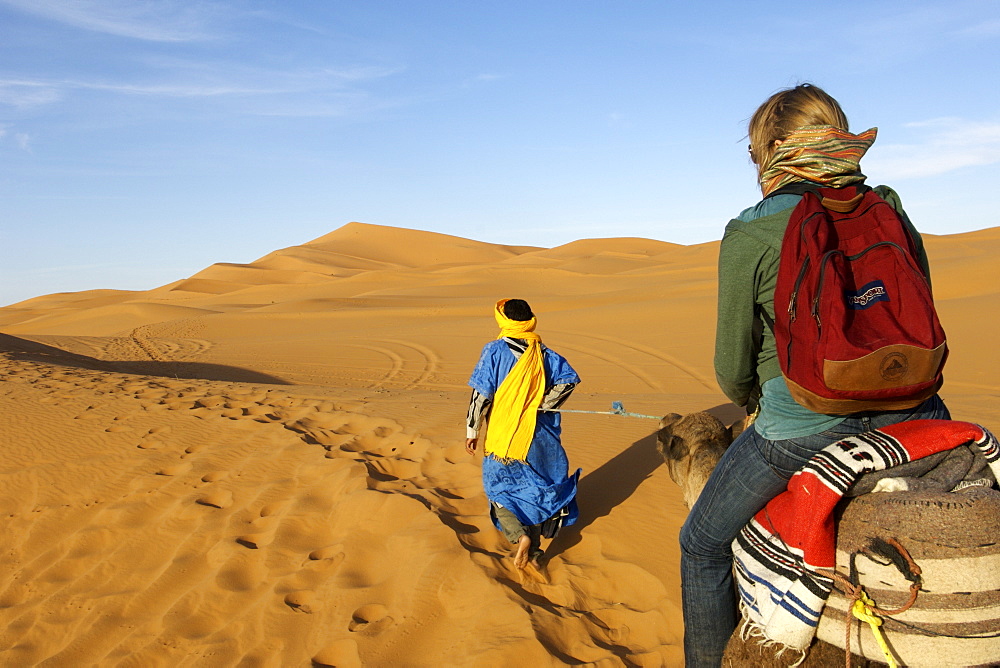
{"type": "Point", "coordinates": [748, 270]}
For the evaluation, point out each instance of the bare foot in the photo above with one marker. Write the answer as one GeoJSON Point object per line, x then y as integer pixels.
{"type": "Point", "coordinates": [523, 550]}
{"type": "Point", "coordinates": [535, 571]}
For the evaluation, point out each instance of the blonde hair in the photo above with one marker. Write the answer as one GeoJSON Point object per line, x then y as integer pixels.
{"type": "Point", "coordinates": [786, 111]}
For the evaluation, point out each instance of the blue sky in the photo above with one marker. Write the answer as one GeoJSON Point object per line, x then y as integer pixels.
{"type": "Point", "coordinates": [143, 140]}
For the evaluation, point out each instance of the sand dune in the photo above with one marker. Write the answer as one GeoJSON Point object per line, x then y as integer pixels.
{"type": "Point", "coordinates": [262, 464]}
{"type": "Point", "coordinates": [411, 248]}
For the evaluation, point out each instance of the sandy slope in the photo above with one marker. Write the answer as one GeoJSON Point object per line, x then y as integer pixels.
{"type": "Point", "coordinates": [263, 465]}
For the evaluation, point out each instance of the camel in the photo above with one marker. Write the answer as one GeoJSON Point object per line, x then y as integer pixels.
{"type": "Point", "coordinates": [955, 536]}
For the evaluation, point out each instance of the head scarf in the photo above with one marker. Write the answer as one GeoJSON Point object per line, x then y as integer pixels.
{"type": "Point", "coordinates": [819, 153]}
{"type": "Point", "coordinates": [516, 402]}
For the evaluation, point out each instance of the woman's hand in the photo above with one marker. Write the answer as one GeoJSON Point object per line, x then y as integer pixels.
{"type": "Point", "coordinates": [470, 445]}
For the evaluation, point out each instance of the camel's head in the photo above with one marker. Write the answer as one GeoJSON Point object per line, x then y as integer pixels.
{"type": "Point", "coordinates": [691, 446]}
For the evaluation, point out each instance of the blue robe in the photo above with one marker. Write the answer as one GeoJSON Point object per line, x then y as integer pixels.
{"type": "Point", "coordinates": [539, 488]}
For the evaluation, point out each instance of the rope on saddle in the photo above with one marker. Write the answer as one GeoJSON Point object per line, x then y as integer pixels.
{"type": "Point", "coordinates": [864, 609]}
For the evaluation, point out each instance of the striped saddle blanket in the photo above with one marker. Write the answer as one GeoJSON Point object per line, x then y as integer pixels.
{"type": "Point", "coordinates": [785, 555]}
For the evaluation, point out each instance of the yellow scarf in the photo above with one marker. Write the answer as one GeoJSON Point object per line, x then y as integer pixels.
{"type": "Point", "coordinates": [516, 402]}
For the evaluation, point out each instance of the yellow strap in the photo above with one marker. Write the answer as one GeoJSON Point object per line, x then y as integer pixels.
{"type": "Point", "coordinates": [862, 609]}
{"type": "Point", "coordinates": [515, 407]}
{"type": "Point", "coordinates": [516, 401]}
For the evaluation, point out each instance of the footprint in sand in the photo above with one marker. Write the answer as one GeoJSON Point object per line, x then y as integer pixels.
{"type": "Point", "coordinates": [291, 416]}
{"type": "Point", "coordinates": [260, 412]}
{"type": "Point", "coordinates": [222, 498]}
{"type": "Point", "coordinates": [174, 469]}
{"type": "Point", "coordinates": [387, 469]}
{"type": "Point", "coordinates": [271, 509]}
{"type": "Point", "coordinates": [206, 413]}
{"type": "Point", "coordinates": [255, 541]}
{"type": "Point", "coordinates": [301, 601]}
{"type": "Point", "coordinates": [333, 552]}
{"type": "Point", "coordinates": [371, 619]}
{"type": "Point", "coordinates": [149, 442]}
{"type": "Point", "coordinates": [211, 401]}
{"type": "Point", "coordinates": [354, 445]}
{"type": "Point", "coordinates": [323, 567]}
{"type": "Point", "coordinates": [340, 654]}
{"type": "Point", "coordinates": [151, 393]}
{"type": "Point", "coordinates": [214, 476]}
{"type": "Point", "coordinates": [191, 449]}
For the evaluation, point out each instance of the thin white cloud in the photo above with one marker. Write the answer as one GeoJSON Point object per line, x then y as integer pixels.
{"type": "Point", "coordinates": [23, 141]}
{"type": "Point", "coordinates": [149, 20]}
{"type": "Point", "coordinates": [173, 90]}
{"type": "Point", "coordinates": [946, 144]}
{"type": "Point", "coordinates": [25, 94]}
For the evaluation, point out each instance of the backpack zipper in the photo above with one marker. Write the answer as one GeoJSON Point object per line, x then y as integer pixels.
{"type": "Point", "coordinates": [805, 265]}
{"type": "Point", "coordinates": [798, 283]}
{"type": "Point", "coordinates": [795, 290]}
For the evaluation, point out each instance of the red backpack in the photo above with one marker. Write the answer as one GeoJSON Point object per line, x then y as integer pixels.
{"type": "Point", "coordinates": [855, 325]}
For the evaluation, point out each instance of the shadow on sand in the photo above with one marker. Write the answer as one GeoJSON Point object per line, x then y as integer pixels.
{"type": "Point", "coordinates": [612, 483]}
{"type": "Point", "coordinates": [31, 351]}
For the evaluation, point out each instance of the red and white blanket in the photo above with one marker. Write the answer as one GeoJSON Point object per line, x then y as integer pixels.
{"type": "Point", "coordinates": [782, 549]}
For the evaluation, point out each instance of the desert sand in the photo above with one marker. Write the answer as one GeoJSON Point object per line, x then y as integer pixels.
{"type": "Point", "coordinates": [263, 464]}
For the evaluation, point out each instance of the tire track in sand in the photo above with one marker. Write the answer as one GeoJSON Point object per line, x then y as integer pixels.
{"type": "Point", "coordinates": [431, 362]}
{"type": "Point", "coordinates": [632, 368]}
{"type": "Point", "coordinates": [427, 361]}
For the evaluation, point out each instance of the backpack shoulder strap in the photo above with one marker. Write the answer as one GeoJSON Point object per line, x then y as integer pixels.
{"type": "Point", "coordinates": [796, 188]}
{"type": "Point", "coordinates": [826, 193]}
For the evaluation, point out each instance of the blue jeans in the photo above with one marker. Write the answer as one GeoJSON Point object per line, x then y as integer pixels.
{"type": "Point", "coordinates": [751, 472]}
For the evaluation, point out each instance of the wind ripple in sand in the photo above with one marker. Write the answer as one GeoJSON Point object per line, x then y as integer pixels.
{"type": "Point", "coordinates": [274, 516]}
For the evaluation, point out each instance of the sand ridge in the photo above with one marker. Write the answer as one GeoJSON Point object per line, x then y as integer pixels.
{"type": "Point", "coordinates": [263, 464]}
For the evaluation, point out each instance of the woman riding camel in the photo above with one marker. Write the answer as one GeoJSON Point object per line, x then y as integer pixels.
{"type": "Point", "coordinates": [798, 137]}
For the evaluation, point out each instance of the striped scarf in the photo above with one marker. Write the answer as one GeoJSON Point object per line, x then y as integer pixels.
{"type": "Point", "coordinates": [516, 402]}
{"type": "Point", "coordinates": [819, 153]}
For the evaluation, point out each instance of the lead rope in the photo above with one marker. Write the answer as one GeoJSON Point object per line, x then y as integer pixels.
{"type": "Point", "coordinates": [865, 610]}
{"type": "Point", "coordinates": [616, 409]}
